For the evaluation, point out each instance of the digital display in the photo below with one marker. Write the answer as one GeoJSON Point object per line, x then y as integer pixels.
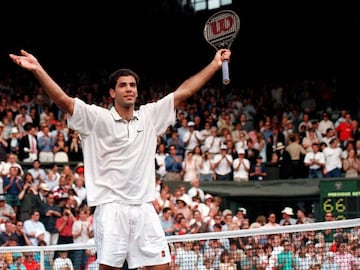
{"type": "Point", "coordinates": [340, 197]}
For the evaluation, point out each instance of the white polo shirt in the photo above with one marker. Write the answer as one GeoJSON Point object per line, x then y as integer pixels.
{"type": "Point", "coordinates": [119, 155]}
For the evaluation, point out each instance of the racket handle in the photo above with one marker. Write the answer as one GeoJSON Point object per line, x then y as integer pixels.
{"type": "Point", "coordinates": [225, 72]}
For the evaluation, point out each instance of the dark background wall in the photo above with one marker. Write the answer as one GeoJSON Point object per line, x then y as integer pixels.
{"type": "Point", "coordinates": [276, 40]}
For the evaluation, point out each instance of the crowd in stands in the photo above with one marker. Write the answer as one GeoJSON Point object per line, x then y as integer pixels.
{"type": "Point", "coordinates": [218, 136]}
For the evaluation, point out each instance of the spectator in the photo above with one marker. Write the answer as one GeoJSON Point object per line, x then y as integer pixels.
{"type": "Point", "coordinates": [206, 172]}
{"type": "Point", "coordinates": [167, 221]}
{"type": "Point", "coordinates": [176, 140]}
{"type": "Point", "coordinates": [314, 160]}
{"type": "Point", "coordinates": [17, 262]}
{"type": "Point", "coordinates": [241, 167]}
{"type": "Point", "coordinates": [34, 227]}
{"type": "Point", "coordinates": [212, 143]}
{"type": "Point", "coordinates": [333, 163]}
{"type": "Point", "coordinates": [28, 147]}
{"type": "Point", "coordinates": [49, 213]}
{"type": "Point", "coordinates": [174, 165]}
{"type": "Point", "coordinates": [46, 146]}
{"type": "Point", "coordinates": [351, 164]}
{"type": "Point", "coordinates": [82, 232]}
{"type": "Point", "coordinates": [160, 160]}
{"type": "Point", "coordinates": [196, 190]}
{"type": "Point", "coordinates": [283, 161]}
{"type": "Point", "coordinates": [13, 142]}
{"type": "Point", "coordinates": [29, 198]}
{"type": "Point", "coordinates": [37, 172]}
{"type": "Point", "coordinates": [344, 258]}
{"type": "Point", "coordinates": [286, 259]}
{"type": "Point", "coordinates": [191, 137]}
{"type": "Point", "coordinates": [287, 214]}
{"type": "Point", "coordinates": [223, 165]}
{"type": "Point", "coordinates": [12, 186]}
{"type": "Point", "coordinates": [258, 170]}
{"type": "Point", "coordinates": [23, 240]}
{"type": "Point", "coordinates": [190, 168]}
{"type": "Point", "coordinates": [30, 262]}
{"type": "Point", "coordinates": [63, 262]}
{"type": "Point", "coordinates": [75, 152]}
{"type": "Point", "coordinates": [7, 213]}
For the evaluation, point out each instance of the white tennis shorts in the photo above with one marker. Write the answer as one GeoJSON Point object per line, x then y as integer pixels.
{"type": "Point", "coordinates": [131, 232]}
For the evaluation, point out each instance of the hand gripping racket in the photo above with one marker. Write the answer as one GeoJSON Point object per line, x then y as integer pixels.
{"type": "Point", "coordinates": [220, 31]}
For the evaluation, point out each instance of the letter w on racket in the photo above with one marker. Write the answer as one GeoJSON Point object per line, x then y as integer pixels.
{"type": "Point", "coordinates": [220, 31]}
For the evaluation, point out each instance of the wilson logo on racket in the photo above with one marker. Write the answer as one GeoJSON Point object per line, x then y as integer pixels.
{"type": "Point", "coordinates": [220, 31]}
{"type": "Point", "coordinates": [223, 26]}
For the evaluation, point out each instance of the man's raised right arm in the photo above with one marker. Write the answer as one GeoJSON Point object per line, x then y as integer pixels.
{"type": "Point", "coordinates": [57, 95]}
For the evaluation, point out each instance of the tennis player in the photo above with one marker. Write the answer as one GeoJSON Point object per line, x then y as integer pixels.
{"type": "Point", "coordinates": [119, 148]}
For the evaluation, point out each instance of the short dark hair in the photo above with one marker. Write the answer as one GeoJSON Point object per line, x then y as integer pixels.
{"type": "Point", "coordinates": [120, 73]}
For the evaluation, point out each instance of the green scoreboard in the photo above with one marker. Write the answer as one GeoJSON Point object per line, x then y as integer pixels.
{"type": "Point", "coordinates": [340, 197]}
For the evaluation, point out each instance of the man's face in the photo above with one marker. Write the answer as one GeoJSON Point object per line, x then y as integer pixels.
{"type": "Point", "coordinates": [125, 92]}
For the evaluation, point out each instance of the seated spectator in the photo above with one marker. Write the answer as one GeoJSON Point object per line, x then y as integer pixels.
{"type": "Point", "coordinates": [258, 170]}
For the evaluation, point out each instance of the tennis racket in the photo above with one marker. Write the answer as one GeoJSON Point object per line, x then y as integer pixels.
{"type": "Point", "coordinates": [220, 31]}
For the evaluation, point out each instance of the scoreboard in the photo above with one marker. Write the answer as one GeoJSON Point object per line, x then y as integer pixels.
{"type": "Point", "coordinates": [340, 197]}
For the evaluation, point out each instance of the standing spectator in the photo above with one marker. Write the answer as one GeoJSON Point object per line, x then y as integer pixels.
{"type": "Point", "coordinates": [351, 164]}
{"type": "Point", "coordinates": [160, 160]}
{"type": "Point", "coordinates": [75, 151]}
{"type": "Point", "coordinates": [29, 198]}
{"type": "Point", "coordinates": [345, 131]}
{"type": "Point", "coordinates": [37, 172]}
{"type": "Point", "coordinates": [297, 153]}
{"type": "Point", "coordinates": [80, 189]}
{"type": "Point", "coordinates": [14, 142]}
{"type": "Point", "coordinates": [46, 146]}
{"type": "Point", "coordinates": [64, 227]}
{"type": "Point", "coordinates": [82, 232]}
{"type": "Point", "coordinates": [283, 161]}
{"type": "Point", "coordinates": [49, 213]}
{"type": "Point", "coordinates": [333, 163]}
{"type": "Point", "coordinates": [191, 137]}
{"type": "Point", "coordinates": [223, 165]}
{"type": "Point", "coordinates": [176, 140]}
{"type": "Point", "coordinates": [241, 167]}
{"type": "Point", "coordinates": [314, 160]}
{"type": "Point", "coordinates": [173, 164]}
{"type": "Point", "coordinates": [13, 185]}
{"type": "Point", "coordinates": [61, 148]}
{"type": "Point", "coordinates": [212, 143]}
{"type": "Point", "coordinates": [206, 168]}
{"type": "Point", "coordinates": [28, 147]}
{"type": "Point", "coordinates": [11, 161]}
{"type": "Point", "coordinates": [33, 226]}
{"type": "Point", "coordinates": [190, 168]}
{"type": "Point", "coordinates": [258, 170]}
{"type": "Point", "coordinates": [325, 123]}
